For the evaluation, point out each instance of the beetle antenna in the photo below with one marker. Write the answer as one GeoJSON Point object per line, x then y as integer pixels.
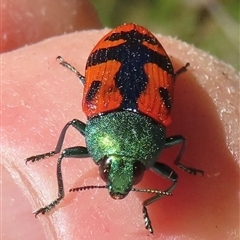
{"type": "Point", "coordinates": [85, 188]}
{"type": "Point", "coordinates": [152, 191]}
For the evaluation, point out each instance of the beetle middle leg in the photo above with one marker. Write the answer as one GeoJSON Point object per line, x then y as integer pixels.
{"type": "Point", "coordinates": [80, 126]}
{"type": "Point", "coordinates": [171, 141]}
{"type": "Point", "coordinates": [74, 152]}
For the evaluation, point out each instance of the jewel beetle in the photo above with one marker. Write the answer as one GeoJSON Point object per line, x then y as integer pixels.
{"type": "Point", "coordinates": [127, 98]}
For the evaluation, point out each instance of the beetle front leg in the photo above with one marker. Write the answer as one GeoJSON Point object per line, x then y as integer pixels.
{"type": "Point", "coordinates": [171, 141]}
{"type": "Point", "coordinates": [167, 172]}
{"type": "Point", "coordinates": [72, 152]}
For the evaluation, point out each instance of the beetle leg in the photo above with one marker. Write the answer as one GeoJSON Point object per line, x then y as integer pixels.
{"type": "Point", "coordinates": [167, 172]}
{"type": "Point", "coordinates": [80, 126]}
{"type": "Point", "coordinates": [73, 69]}
{"type": "Point", "coordinates": [72, 152]}
{"type": "Point", "coordinates": [171, 141]}
{"type": "Point", "coordinates": [181, 70]}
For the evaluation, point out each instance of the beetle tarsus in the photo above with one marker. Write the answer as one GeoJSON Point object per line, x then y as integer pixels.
{"type": "Point", "coordinates": [190, 170]}
{"type": "Point", "coordinates": [47, 208]}
{"type": "Point", "coordinates": [39, 157]}
{"type": "Point", "coordinates": [71, 68]}
{"type": "Point", "coordinates": [147, 220]}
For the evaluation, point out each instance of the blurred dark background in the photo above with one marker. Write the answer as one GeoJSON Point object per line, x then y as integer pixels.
{"type": "Point", "coordinates": [211, 25]}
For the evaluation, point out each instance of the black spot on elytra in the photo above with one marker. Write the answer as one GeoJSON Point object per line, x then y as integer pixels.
{"type": "Point", "coordinates": [165, 97]}
{"type": "Point", "coordinates": [95, 86]}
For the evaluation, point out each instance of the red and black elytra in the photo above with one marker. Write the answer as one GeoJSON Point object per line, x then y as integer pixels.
{"type": "Point", "coordinates": [127, 98]}
{"type": "Point", "coordinates": [129, 69]}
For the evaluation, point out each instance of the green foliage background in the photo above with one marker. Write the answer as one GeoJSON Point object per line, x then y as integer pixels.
{"type": "Point", "coordinates": [211, 25]}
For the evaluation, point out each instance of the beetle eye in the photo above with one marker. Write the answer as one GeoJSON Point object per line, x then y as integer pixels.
{"type": "Point", "coordinates": [138, 172]}
{"type": "Point", "coordinates": [104, 168]}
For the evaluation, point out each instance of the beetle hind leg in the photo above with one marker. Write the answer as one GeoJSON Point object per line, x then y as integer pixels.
{"type": "Point", "coordinates": [181, 70]}
{"type": "Point", "coordinates": [71, 68]}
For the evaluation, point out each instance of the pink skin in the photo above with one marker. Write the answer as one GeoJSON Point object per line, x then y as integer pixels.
{"type": "Point", "coordinates": [39, 96]}
{"type": "Point", "coordinates": [26, 22]}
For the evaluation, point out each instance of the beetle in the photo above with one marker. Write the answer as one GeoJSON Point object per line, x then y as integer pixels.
{"type": "Point", "coordinates": [127, 98]}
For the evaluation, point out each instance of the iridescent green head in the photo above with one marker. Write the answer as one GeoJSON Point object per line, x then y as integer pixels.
{"type": "Point", "coordinates": [124, 145]}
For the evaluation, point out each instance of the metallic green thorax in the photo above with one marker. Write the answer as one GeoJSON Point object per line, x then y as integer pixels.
{"type": "Point", "coordinates": [124, 137]}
